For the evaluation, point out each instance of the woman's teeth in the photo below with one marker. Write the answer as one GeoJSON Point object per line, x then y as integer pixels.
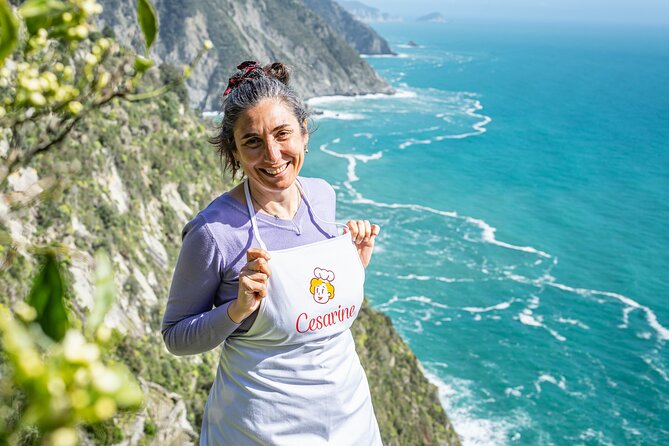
{"type": "Point", "coordinates": [277, 170]}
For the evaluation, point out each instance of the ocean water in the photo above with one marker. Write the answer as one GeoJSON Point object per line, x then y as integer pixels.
{"type": "Point", "coordinates": [520, 175]}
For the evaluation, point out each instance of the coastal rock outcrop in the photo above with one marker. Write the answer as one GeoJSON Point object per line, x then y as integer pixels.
{"type": "Point", "coordinates": [360, 35]}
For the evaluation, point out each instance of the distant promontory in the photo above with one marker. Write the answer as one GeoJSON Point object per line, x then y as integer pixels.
{"type": "Point", "coordinates": [432, 17]}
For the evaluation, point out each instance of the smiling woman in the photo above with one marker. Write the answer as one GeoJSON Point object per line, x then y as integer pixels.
{"type": "Point", "coordinates": [245, 280]}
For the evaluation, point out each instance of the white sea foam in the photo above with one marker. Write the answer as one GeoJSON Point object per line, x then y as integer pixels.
{"type": "Point", "coordinates": [352, 159]}
{"type": "Point", "coordinates": [414, 277]}
{"type": "Point", "coordinates": [526, 317]}
{"type": "Point", "coordinates": [499, 306]}
{"type": "Point", "coordinates": [631, 430]}
{"type": "Point", "coordinates": [514, 391]}
{"type": "Point", "coordinates": [398, 94]}
{"type": "Point", "coordinates": [656, 364]}
{"type": "Point", "coordinates": [330, 114]}
{"type": "Point", "coordinates": [420, 299]}
{"type": "Point", "coordinates": [366, 135]}
{"type": "Point", "coordinates": [573, 322]}
{"type": "Point", "coordinates": [388, 304]}
{"type": "Point", "coordinates": [626, 317]}
{"type": "Point", "coordinates": [561, 383]}
{"type": "Point", "coordinates": [592, 436]}
{"type": "Point", "coordinates": [437, 278]}
{"type": "Point", "coordinates": [533, 302]}
{"type": "Point", "coordinates": [488, 235]}
{"type": "Point", "coordinates": [457, 398]}
{"type": "Point", "coordinates": [413, 141]}
{"type": "Point", "coordinates": [661, 331]}
{"type": "Point", "coordinates": [385, 56]}
{"type": "Point", "coordinates": [478, 127]}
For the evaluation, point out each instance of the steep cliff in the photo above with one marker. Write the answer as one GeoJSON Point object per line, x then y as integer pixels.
{"type": "Point", "coordinates": [323, 62]}
{"type": "Point", "coordinates": [127, 180]}
{"type": "Point", "coordinates": [360, 35]}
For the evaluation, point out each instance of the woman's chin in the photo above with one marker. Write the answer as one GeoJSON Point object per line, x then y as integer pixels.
{"type": "Point", "coordinates": [280, 181]}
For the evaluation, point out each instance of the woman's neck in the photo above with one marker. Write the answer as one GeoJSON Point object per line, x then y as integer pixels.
{"type": "Point", "coordinates": [281, 204]}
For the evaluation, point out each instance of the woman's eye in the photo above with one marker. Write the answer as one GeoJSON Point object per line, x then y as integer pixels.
{"type": "Point", "coordinates": [283, 134]}
{"type": "Point", "coordinates": [252, 142]}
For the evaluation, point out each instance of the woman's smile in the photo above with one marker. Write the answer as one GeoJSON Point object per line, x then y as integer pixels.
{"type": "Point", "coordinates": [276, 171]}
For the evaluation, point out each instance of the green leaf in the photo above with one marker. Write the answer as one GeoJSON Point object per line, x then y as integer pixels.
{"type": "Point", "coordinates": [46, 297]}
{"type": "Point", "coordinates": [9, 30]}
{"type": "Point", "coordinates": [146, 15]}
{"type": "Point", "coordinates": [105, 293]}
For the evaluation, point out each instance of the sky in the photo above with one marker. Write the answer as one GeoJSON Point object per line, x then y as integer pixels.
{"type": "Point", "coordinates": [613, 11]}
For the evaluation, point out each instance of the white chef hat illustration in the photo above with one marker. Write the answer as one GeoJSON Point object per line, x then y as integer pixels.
{"type": "Point", "coordinates": [324, 274]}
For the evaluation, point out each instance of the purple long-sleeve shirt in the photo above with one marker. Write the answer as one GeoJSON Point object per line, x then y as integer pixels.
{"type": "Point", "coordinates": [206, 276]}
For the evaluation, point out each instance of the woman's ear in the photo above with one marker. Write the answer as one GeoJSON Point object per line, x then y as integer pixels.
{"type": "Point", "coordinates": [306, 132]}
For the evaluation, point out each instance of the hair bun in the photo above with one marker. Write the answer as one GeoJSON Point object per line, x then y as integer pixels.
{"type": "Point", "coordinates": [278, 71]}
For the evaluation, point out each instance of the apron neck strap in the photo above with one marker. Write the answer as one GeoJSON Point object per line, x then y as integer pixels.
{"type": "Point", "coordinates": [252, 215]}
{"type": "Point", "coordinates": [252, 212]}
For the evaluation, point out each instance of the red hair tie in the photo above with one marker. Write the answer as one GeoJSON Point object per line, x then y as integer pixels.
{"type": "Point", "coordinates": [247, 70]}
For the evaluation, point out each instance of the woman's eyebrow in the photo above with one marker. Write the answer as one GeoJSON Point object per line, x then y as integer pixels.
{"type": "Point", "coordinates": [278, 127]}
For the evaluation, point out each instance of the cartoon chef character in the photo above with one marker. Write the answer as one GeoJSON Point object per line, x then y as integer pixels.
{"type": "Point", "coordinates": [321, 286]}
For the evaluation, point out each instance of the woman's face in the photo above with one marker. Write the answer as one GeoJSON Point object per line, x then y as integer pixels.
{"type": "Point", "coordinates": [270, 146]}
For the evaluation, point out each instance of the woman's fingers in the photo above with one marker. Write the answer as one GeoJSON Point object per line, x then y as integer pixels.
{"type": "Point", "coordinates": [257, 277]}
{"type": "Point", "coordinates": [368, 231]}
{"type": "Point", "coordinates": [362, 231]}
{"type": "Point", "coordinates": [256, 253]}
{"type": "Point", "coordinates": [258, 265]}
{"type": "Point", "coordinates": [253, 288]}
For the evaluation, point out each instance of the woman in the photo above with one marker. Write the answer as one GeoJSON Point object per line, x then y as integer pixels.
{"type": "Point", "coordinates": [262, 273]}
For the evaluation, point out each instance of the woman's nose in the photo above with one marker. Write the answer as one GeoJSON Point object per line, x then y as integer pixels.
{"type": "Point", "coordinates": [272, 151]}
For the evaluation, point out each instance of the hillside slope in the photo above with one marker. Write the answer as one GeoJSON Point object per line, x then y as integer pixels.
{"type": "Point", "coordinates": [323, 62]}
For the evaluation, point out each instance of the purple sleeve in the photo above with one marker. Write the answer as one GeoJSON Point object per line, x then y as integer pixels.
{"type": "Point", "coordinates": [191, 324]}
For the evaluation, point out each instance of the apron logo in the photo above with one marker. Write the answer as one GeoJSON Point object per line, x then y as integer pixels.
{"type": "Point", "coordinates": [321, 287]}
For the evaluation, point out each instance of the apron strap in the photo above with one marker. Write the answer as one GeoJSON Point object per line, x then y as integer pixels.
{"type": "Point", "coordinates": [313, 212]}
{"type": "Point", "coordinates": [252, 212]}
{"type": "Point", "coordinates": [252, 215]}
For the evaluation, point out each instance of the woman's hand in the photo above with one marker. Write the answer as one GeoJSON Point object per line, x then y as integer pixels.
{"type": "Point", "coordinates": [252, 285]}
{"type": "Point", "coordinates": [363, 234]}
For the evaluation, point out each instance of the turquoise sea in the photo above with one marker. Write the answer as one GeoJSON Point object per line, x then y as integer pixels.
{"type": "Point", "coordinates": [521, 178]}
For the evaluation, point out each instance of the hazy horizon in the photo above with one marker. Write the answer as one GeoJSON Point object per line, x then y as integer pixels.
{"type": "Point", "coordinates": [611, 11]}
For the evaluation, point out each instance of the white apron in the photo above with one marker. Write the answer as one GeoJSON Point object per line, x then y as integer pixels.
{"type": "Point", "coordinates": [294, 378]}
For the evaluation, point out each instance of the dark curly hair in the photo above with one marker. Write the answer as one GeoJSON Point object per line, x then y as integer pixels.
{"type": "Point", "coordinates": [270, 83]}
